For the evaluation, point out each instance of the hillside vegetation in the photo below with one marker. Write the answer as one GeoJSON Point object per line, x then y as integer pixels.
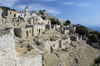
{"type": "Point", "coordinates": [93, 36]}
{"type": "Point", "coordinates": [7, 8]}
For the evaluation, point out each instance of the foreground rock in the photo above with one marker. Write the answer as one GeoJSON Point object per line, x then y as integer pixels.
{"type": "Point", "coordinates": [13, 55]}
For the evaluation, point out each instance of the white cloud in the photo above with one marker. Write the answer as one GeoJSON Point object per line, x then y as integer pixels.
{"type": "Point", "coordinates": [37, 7]}
{"type": "Point", "coordinates": [53, 11]}
{"type": "Point", "coordinates": [8, 3]}
{"type": "Point", "coordinates": [83, 5]}
{"type": "Point", "coordinates": [68, 3]}
{"type": "Point", "coordinates": [47, 0]}
{"type": "Point", "coordinates": [72, 3]}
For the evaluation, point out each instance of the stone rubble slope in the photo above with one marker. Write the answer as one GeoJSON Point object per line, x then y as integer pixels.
{"type": "Point", "coordinates": [77, 54]}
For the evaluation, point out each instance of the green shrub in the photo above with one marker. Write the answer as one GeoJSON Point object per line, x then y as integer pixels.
{"type": "Point", "coordinates": [82, 30]}
{"type": "Point", "coordinates": [43, 17]}
{"type": "Point", "coordinates": [97, 33]}
{"type": "Point", "coordinates": [93, 38]}
{"type": "Point", "coordinates": [65, 24]}
{"type": "Point", "coordinates": [68, 22]}
{"type": "Point", "coordinates": [7, 8]}
{"type": "Point", "coordinates": [54, 22]}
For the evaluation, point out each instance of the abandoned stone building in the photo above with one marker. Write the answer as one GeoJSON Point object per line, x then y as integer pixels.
{"type": "Point", "coordinates": [26, 30]}
{"type": "Point", "coordinates": [96, 45]}
{"type": "Point", "coordinates": [32, 28]}
{"type": "Point", "coordinates": [29, 25]}
{"type": "Point", "coordinates": [33, 24]}
{"type": "Point", "coordinates": [75, 37]}
{"type": "Point", "coordinates": [55, 44]}
{"type": "Point", "coordinates": [12, 51]}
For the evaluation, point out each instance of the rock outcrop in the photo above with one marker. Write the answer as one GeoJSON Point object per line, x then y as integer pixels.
{"type": "Point", "coordinates": [11, 56]}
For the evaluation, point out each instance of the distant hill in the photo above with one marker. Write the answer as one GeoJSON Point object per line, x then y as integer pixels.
{"type": "Point", "coordinates": [89, 29]}
{"type": "Point", "coordinates": [7, 8]}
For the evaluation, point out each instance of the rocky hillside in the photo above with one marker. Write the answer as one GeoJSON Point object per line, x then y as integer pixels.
{"type": "Point", "coordinates": [47, 16]}
{"type": "Point", "coordinates": [44, 14]}
{"type": "Point", "coordinates": [77, 54]}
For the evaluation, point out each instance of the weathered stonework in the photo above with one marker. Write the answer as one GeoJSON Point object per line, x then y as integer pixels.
{"type": "Point", "coordinates": [8, 54]}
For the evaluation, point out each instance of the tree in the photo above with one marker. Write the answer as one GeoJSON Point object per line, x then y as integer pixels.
{"type": "Point", "coordinates": [97, 33]}
{"type": "Point", "coordinates": [7, 8]}
{"type": "Point", "coordinates": [41, 12]}
{"type": "Point", "coordinates": [99, 36]}
{"type": "Point", "coordinates": [68, 22]}
{"type": "Point", "coordinates": [93, 38]}
{"type": "Point", "coordinates": [43, 17]}
{"type": "Point", "coordinates": [13, 10]}
{"type": "Point", "coordinates": [44, 10]}
{"type": "Point", "coordinates": [53, 22]}
{"type": "Point", "coordinates": [82, 30]}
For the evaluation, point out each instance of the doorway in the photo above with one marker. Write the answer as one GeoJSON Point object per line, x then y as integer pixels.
{"type": "Point", "coordinates": [51, 49]}
{"type": "Point", "coordinates": [27, 33]}
{"type": "Point", "coordinates": [39, 31]}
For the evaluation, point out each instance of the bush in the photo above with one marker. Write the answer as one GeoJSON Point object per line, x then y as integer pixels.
{"type": "Point", "coordinates": [93, 38]}
{"type": "Point", "coordinates": [43, 17]}
{"type": "Point", "coordinates": [42, 12]}
{"type": "Point", "coordinates": [64, 24]}
{"type": "Point", "coordinates": [53, 22]}
{"type": "Point", "coordinates": [97, 33]}
{"type": "Point", "coordinates": [13, 10]}
{"type": "Point", "coordinates": [68, 22]}
{"type": "Point", "coordinates": [7, 8]}
{"type": "Point", "coordinates": [82, 30]}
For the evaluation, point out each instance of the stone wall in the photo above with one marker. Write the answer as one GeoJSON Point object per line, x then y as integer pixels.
{"type": "Point", "coordinates": [53, 27]}
{"type": "Point", "coordinates": [56, 44]}
{"type": "Point", "coordinates": [7, 50]}
{"type": "Point", "coordinates": [10, 15]}
{"type": "Point", "coordinates": [51, 45]}
{"type": "Point", "coordinates": [17, 32]}
{"type": "Point", "coordinates": [74, 38]}
{"type": "Point", "coordinates": [38, 29]}
{"type": "Point", "coordinates": [65, 32]}
{"type": "Point", "coordinates": [96, 45]}
{"type": "Point", "coordinates": [28, 32]}
{"type": "Point", "coordinates": [1, 12]}
{"type": "Point", "coordinates": [45, 22]}
{"type": "Point", "coordinates": [36, 20]}
{"type": "Point", "coordinates": [48, 27]}
{"type": "Point", "coordinates": [29, 61]}
{"type": "Point", "coordinates": [64, 43]}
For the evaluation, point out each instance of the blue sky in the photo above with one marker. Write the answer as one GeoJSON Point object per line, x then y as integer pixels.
{"type": "Point", "coordinates": [85, 12]}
